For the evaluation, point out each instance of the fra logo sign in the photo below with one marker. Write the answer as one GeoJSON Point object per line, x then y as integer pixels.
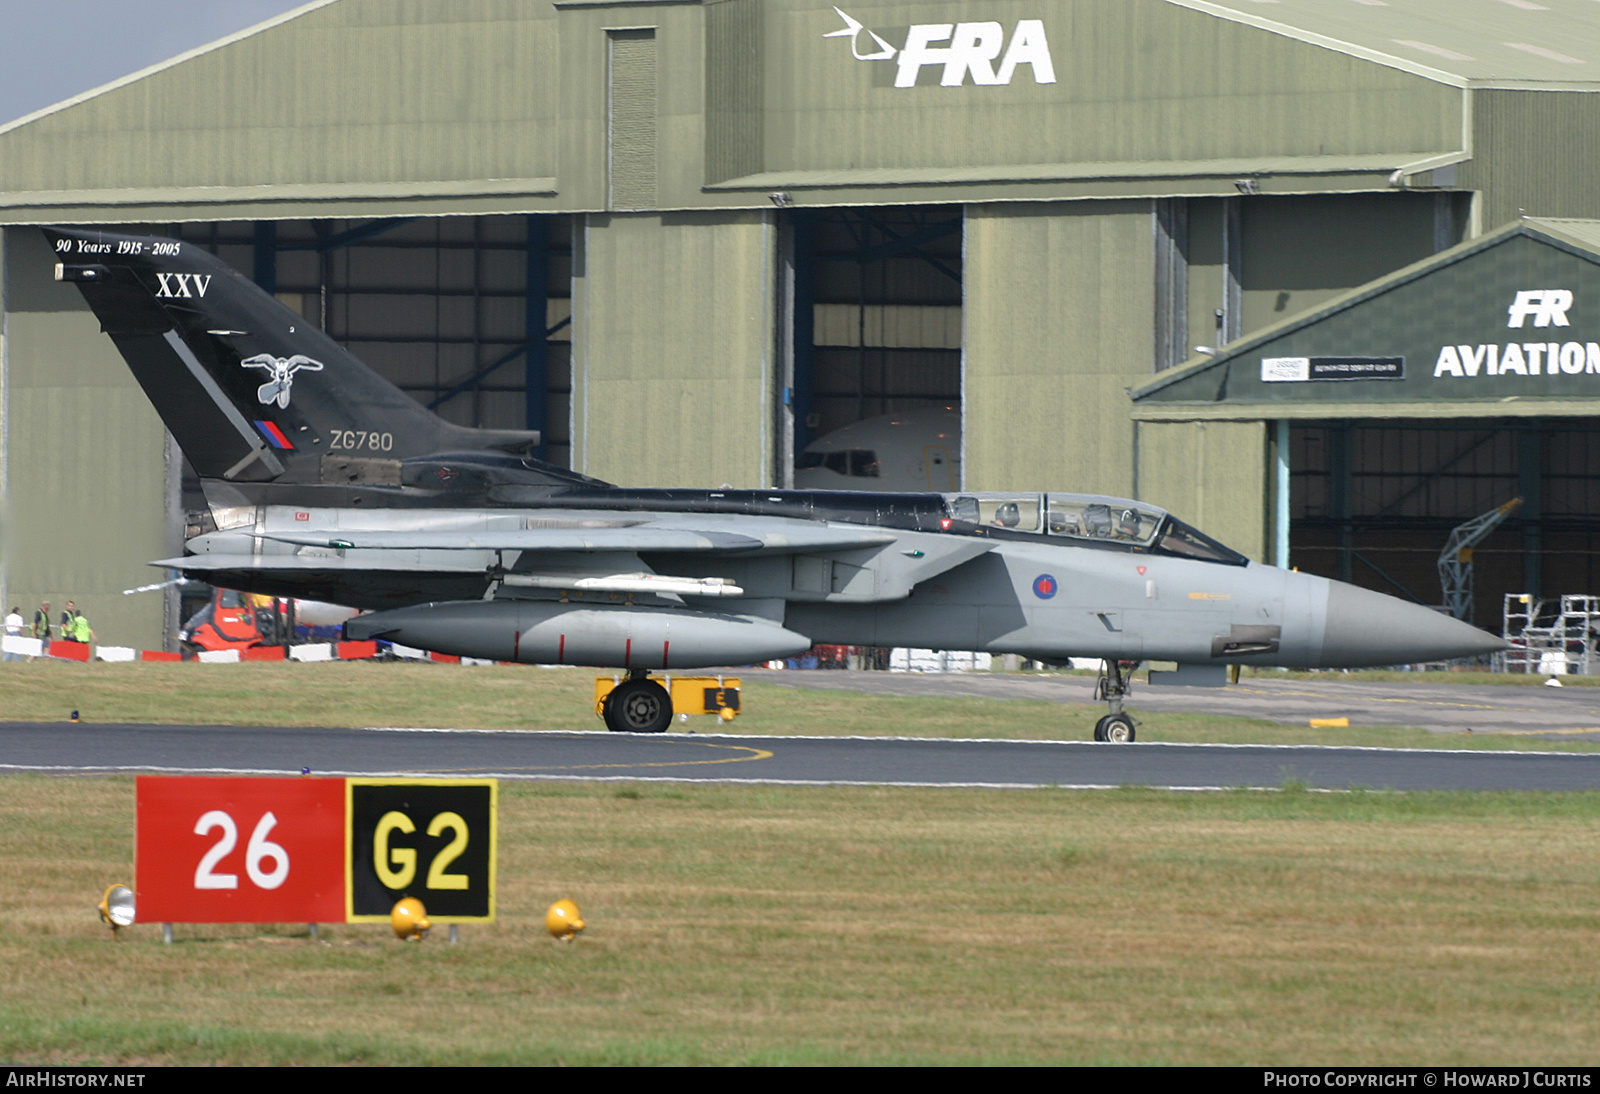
{"type": "Point", "coordinates": [982, 51]}
{"type": "Point", "coordinates": [433, 839]}
{"type": "Point", "coordinates": [1547, 307]}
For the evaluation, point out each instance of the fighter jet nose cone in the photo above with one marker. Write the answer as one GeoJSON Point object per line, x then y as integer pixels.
{"type": "Point", "coordinates": [1368, 628]}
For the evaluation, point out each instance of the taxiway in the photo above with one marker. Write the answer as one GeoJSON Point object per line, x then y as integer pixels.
{"type": "Point", "coordinates": [884, 761]}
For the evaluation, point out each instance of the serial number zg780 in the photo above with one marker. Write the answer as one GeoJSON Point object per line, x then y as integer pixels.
{"type": "Point", "coordinates": [360, 439]}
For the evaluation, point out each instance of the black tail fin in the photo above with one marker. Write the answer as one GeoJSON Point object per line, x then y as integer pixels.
{"type": "Point", "coordinates": [250, 389]}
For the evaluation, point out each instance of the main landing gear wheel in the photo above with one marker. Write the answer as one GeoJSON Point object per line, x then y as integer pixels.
{"type": "Point", "coordinates": [638, 706]}
{"type": "Point", "coordinates": [1114, 729]}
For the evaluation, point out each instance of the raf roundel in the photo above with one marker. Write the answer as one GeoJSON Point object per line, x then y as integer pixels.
{"type": "Point", "coordinates": [1044, 586]}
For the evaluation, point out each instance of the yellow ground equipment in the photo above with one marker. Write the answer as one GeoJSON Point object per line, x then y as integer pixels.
{"type": "Point", "coordinates": [715, 695]}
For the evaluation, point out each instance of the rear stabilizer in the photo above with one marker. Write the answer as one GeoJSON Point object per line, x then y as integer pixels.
{"type": "Point", "coordinates": [252, 391]}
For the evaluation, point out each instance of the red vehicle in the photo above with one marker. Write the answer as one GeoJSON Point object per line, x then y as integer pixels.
{"type": "Point", "coordinates": [233, 621]}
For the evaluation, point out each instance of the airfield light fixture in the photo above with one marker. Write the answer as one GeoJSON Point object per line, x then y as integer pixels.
{"type": "Point", "coordinates": [116, 908]}
{"type": "Point", "coordinates": [410, 920]}
{"type": "Point", "coordinates": [563, 920]}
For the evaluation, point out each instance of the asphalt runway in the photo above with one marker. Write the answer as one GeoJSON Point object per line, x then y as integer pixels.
{"type": "Point", "coordinates": [67, 748]}
{"type": "Point", "coordinates": [1557, 713]}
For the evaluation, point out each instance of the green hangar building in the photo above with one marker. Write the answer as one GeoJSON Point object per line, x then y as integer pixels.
{"type": "Point", "coordinates": [1246, 260]}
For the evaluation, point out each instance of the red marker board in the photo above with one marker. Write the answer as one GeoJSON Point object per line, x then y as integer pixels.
{"type": "Point", "coordinates": [240, 850]}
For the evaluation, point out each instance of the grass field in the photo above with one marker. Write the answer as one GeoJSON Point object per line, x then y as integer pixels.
{"type": "Point", "coordinates": [790, 925]}
{"type": "Point", "coordinates": [505, 697]}
{"type": "Point", "coordinates": [858, 925]}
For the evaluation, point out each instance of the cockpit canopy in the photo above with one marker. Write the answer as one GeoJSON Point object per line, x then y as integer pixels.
{"type": "Point", "coordinates": [1090, 519]}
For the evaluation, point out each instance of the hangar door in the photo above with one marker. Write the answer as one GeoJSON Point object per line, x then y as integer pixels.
{"type": "Point", "coordinates": [1373, 503]}
{"type": "Point", "coordinates": [873, 322]}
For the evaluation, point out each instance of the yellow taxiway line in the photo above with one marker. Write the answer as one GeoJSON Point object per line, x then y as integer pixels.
{"type": "Point", "coordinates": [755, 754]}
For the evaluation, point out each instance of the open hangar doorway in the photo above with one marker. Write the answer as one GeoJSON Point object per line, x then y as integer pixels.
{"type": "Point", "coordinates": [1373, 502]}
{"type": "Point", "coordinates": [870, 325]}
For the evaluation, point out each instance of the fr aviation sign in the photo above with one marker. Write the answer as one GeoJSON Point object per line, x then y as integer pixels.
{"type": "Point", "coordinates": [287, 850]}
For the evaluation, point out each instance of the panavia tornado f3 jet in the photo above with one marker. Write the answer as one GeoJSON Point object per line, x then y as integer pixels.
{"type": "Point", "coordinates": [325, 481]}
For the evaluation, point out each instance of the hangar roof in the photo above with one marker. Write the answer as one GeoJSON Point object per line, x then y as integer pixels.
{"type": "Point", "coordinates": [430, 107]}
{"type": "Point", "coordinates": [1480, 43]}
{"type": "Point", "coordinates": [1506, 325]}
{"type": "Point", "coordinates": [1586, 233]}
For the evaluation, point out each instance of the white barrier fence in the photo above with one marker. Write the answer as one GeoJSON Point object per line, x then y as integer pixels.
{"type": "Point", "coordinates": [914, 660]}
{"type": "Point", "coordinates": [23, 647]}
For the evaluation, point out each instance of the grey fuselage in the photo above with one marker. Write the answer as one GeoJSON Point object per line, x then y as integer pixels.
{"type": "Point", "coordinates": [917, 579]}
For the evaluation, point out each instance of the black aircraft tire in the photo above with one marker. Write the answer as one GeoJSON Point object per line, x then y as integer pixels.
{"type": "Point", "coordinates": [1100, 728]}
{"type": "Point", "coordinates": [1116, 729]}
{"type": "Point", "coordinates": [638, 706]}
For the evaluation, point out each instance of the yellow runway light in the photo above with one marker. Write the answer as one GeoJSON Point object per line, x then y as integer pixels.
{"type": "Point", "coordinates": [116, 908]}
{"type": "Point", "coordinates": [563, 920]}
{"type": "Point", "coordinates": [410, 920]}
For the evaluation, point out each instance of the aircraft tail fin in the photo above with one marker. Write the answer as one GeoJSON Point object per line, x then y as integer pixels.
{"type": "Point", "coordinates": [252, 391]}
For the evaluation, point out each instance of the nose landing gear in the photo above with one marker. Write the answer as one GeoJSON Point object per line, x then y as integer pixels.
{"type": "Point", "coordinates": [1116, 680]}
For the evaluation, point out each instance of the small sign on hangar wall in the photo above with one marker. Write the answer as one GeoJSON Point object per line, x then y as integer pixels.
{"type": "Point", "coordinates": [1279, 370]}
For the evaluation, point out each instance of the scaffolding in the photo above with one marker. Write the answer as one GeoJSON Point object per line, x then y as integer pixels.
{"type": "Point", "coordinates": [1455, 561]}
{"type": "Point", "coordinates": [1552, 637]}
